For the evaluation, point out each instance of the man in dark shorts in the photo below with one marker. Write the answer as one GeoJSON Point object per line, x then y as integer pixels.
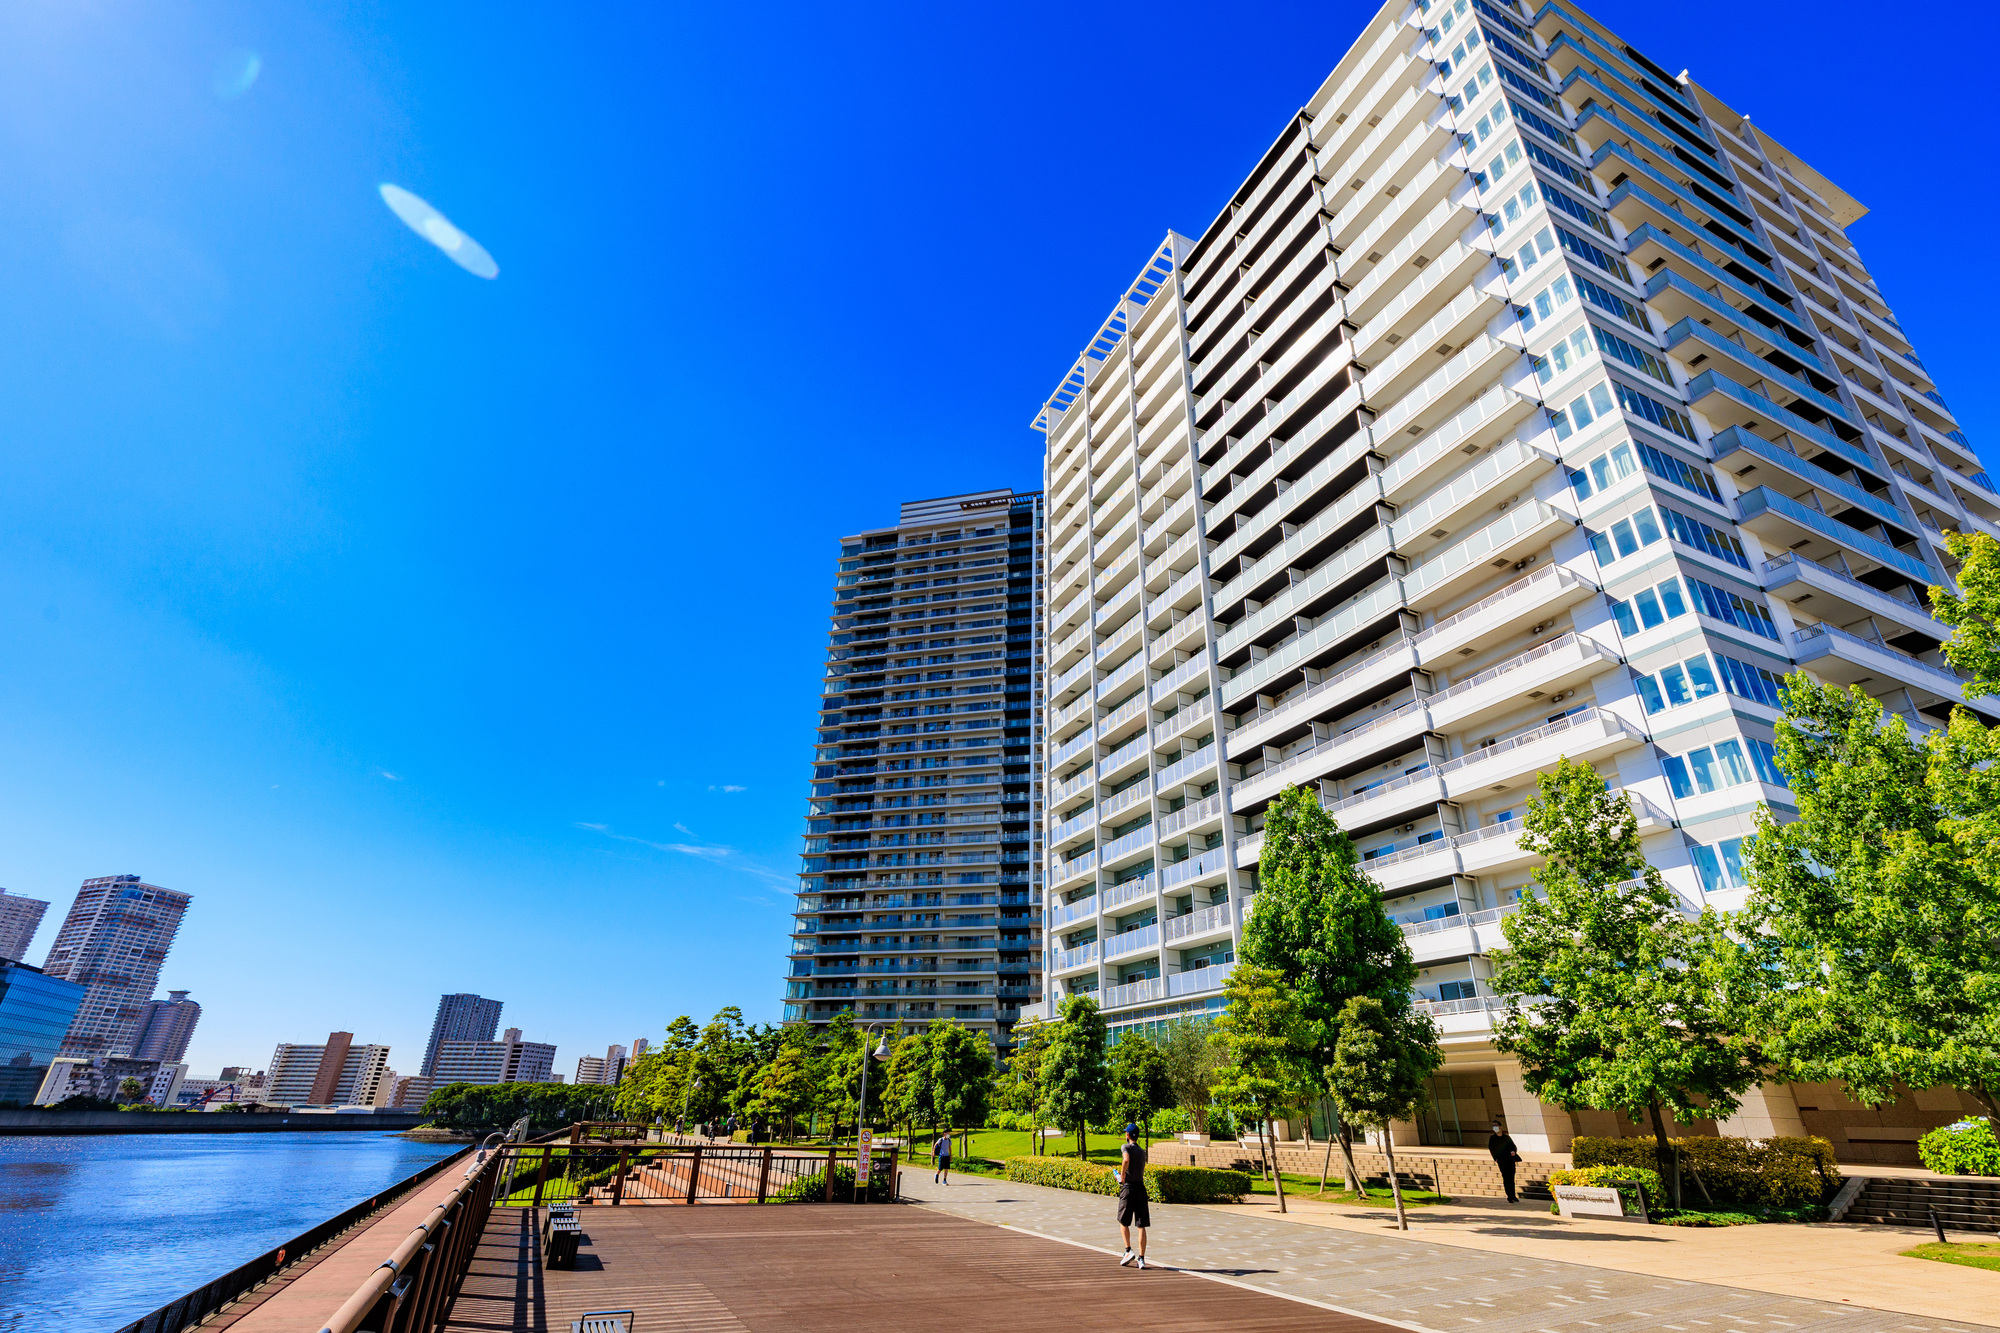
{"type": "Point", "coordinates": [1132, 1209]}
{"type": "Point", "coordinates": [941, 1156]}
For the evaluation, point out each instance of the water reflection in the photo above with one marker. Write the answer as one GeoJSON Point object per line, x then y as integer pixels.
{"type": "Point", "coordinates": [439, 230]}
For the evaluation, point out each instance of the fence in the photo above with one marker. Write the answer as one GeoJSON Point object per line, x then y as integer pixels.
{"type": "Point", "coordinates": [532, 1175]}
{"type": "Point", "coordinates": [412, 1291]}
{"type": "Point", "coordinates": [205, 1300]}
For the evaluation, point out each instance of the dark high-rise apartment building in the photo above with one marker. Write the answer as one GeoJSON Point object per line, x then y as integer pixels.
{"type": "Point", "coordinates": [165, 1028]}
{"type": "Point", "coordinates": [19, 919]}
{"type": "Point", "coordinates": [460, 1017]}
{"type": "Point", "coordinates": [113, 942]}
{"type": "Point", "coordinates": [35, 1013]}
{"type": "Point", "coordinates": [920, 890]}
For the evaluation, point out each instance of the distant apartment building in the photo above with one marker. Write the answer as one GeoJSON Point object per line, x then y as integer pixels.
{"type": "Point", "coordinates": [508, 1060]}
{"type": "Point", "coordinates": [460, 1017]}
{"type": "Point", "coordinates": [640, 1045]}
{"type": "Point", "coordinates": [35, 1013]}
{"type": "Point", "coordinates": [113, 942]}
{"type": "Point", "coordinates": [920, 885]}
{"type": "Point", "coordinates": [104, 1077]}
{"type": "Point", "coordinates": [608, 1068]}
{"type": "Point", "coordinates": [1525, 401]}
{"type": "Point", "coordinates": [163, 1089]}
{"type": "Point", "coordinates": [20, 918]}
{"type": "Point", "coordinates": [165, 1027]}
{"type": "Point", "coordinates": [335, 1072]}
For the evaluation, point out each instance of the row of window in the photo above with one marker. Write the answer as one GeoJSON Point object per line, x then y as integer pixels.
{"type": "Point", "coordinates": [1684, 682]}
{"type": "Point", "coordinates": [1723, 765]}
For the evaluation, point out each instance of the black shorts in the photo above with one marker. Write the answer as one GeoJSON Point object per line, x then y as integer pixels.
{"type": "Point", "coordinates": [1133, 1212]}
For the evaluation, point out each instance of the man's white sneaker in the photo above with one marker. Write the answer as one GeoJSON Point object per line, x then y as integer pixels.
{"type": "Point", "coordinates": [1129, 1256]}
{"type": "Point", "coordinates": [1142, 1261]}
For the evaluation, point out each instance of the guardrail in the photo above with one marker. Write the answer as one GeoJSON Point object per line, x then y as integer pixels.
{"type": "Point", "coordinates": [412, 1290]}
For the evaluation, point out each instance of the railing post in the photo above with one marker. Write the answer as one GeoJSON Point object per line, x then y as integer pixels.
{"type": "Point", "coordinates": [831, 1149]}
{"type": "Point", "coordinates": [694, 1173]}
{"type": "Point", "coordinates": [764, 1177]}
{"type": "Point", "coordinates": [541, 1174]}
{"type": "Point", "coordinates": [618, 1181]}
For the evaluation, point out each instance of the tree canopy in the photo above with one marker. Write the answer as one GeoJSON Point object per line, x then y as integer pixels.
{"type": "Point", "coordinates": [1076, 1086]}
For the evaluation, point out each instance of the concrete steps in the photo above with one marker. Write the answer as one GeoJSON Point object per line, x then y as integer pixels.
{"type": "Point", "coordinates": [1963, 1203]}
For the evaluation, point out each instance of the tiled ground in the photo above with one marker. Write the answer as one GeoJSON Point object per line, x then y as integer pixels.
{"type": "Point", "coordinates": [1408, 1281]}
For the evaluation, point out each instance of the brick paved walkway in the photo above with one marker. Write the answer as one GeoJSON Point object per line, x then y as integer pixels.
{"type": "Point", "coordinates": [1406, 1281]}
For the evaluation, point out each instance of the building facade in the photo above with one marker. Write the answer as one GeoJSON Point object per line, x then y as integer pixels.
{"type": "Point", "coordinates": [113, 942]}
{"type": "Point", "coordinates": [166, 1027]}
{"type": "Point", "coordinates": [1526, 401]}
{"type": "Point", "coordinates": [508, 1060]}
{"type": "Point", "coordinates": [20, 918]}
{"type": "Point", "coordinates": [590, 1069]}
{"type": "Point", "coordinates": [35, 1014]}
{"type": "Point", "coordinates": [336, 1072]}
{"type": "Point", "coordinates": [607, 1069]}
{"type": "Point", "coordinates": [460, 1017]}
{"type": "Point", "coordinates": [920, 887]}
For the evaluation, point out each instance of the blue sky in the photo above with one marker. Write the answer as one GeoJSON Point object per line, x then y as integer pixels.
{"type": "Point", "coordinates": [444, 634]}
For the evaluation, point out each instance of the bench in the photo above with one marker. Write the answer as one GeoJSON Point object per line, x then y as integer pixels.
{"type": "Point", "coordinates": [603, 1321]}
{"type": "Point", "coordinates": [561, 1235]}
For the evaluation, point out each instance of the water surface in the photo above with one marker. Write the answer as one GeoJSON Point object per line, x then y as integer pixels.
{"type": "Point", "coordinates": [100, 1229]}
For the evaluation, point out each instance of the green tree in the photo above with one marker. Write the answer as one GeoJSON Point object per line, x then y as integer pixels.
{"type": "Point", "coordinates": [1320, 924]}
{"type": "Point", "coordinates": [1266, 1043]}
{"type": "Point", "coordinates": [1076, 1087]}
{"type": "Point", "coordinates": [784, 1090]}
{"type": "Point", "coordinates": [906, 1084]}
{"type": "Point", "coordinates": [1192, 1060]}
{"type": "Point", "coordinates": [961, 1074]}
{"type": "Point", "coordinates": [1616, 998]}
{"type": "Point", "coordinates": [1876, 911]}
{"type": "Point", "coordinates": [131, 1090]}
{"type": "Point", "coordinates": [1021, 1089]}
{"type": "Point", "coordinates": [1381, 1072]}
{"type": "Point", "coordinates": [1139, 1081]}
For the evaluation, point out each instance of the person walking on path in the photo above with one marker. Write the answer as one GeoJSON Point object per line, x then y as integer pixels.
{"type": "Point", "coordinates": [941, 1152]}
{"type": "Point", "coordinates": [1133, 1213]}
{"type": "Point", "coordinates": [1505, 1155]}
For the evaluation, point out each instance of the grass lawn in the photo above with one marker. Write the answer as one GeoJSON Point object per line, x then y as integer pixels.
{"type": "Point", "coordinates": [1000, 1144]}
{"type": "Point", "coordinates": [1307, 1187]}
{"type": "Point", "coordinates": [1972, 1254]}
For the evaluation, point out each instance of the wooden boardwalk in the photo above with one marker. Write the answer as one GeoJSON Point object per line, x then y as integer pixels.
{"type": "Point", "coordinates": [833, 1268]}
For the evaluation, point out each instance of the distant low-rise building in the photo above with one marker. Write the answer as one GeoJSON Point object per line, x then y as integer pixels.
{"type": "Point", "coordinates": [335, 1072]}
{"type": "Point", "coordinates": [589, 1069]}
{"type": "Point", "coordinates": [103, 1077]}
{"type": "Point", "coordinates": [509, 1060]}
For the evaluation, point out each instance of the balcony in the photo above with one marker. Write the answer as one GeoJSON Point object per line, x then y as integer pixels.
{"type": "Point", "coordinates": [1191, 927]}
{"type": "Point", "coordinates": [1848, 659]}
{"type": "Point", "coordinates": [1786, 523]}
{"type": "Point", "coordinates": [1132, 941]}
{"type": "Point", "coordinates": [1066, 914]}
{"type": "Point", "coordinates": [1131, 891]}
{"type": "Point", "coordinates": [1526, 526]}
{"type": "Point", "coordinates": [1798, 579]}
{"type": "Point", "coordinates": [1761, 462]}
{"type": "Point", "coordinates": [1073, 960]}
{"type": "Point", "coordinates": [1070, 871]}
{"type": "Point", "coordinates": [1211, 862]}
{"type": "Point", "coordinates": [1469, 495]}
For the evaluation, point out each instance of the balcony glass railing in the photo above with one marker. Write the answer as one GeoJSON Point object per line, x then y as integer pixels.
{"type": "Point", "coordinates": [1765, 500]}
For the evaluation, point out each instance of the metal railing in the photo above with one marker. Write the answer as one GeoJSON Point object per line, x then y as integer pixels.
{"type": "Point", "coordinates": [676, 1169]}
{"type": "Point", "coordinates": [412, 1290]}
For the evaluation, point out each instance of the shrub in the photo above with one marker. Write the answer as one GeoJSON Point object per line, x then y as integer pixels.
{"type": "Point", "coordinates": [1777, 1172]}
{"type": "Point", "coordinates": [1165, 1124]}
{"type": "Point", "coordinates": [1196, 1184]}
{"type": "Point", "coordinates": [1063, 1173]}
{"type": "Point", "coordinates": [1164, 1184]}
{"type": "Point", "coordinates": [1967, 1148]}
{"type": "Point", "coordinates": [812, 1188]}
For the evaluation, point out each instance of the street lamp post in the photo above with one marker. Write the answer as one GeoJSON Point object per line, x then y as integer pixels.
{"type": "Point", "coordinates": [861, 1112]}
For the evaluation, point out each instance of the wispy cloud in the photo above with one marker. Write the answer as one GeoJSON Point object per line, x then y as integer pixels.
{"type": "Point", "coordinates": [713, 853]}
{"type": "Point", "coordinates": [729, 787]}
{"type": "Point", "coordinates": [385, 773]}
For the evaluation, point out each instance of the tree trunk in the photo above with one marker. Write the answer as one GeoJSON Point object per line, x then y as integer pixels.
{"type": "Point", "coordinates": [1326, 1167]}
{"type": "Point", "coordinates": [1082, 1151]}
{"type": "Point", "coordinates": [1664, 1151]}
{"type": "Point", "coordinates": [1395, 1186]}
{"type": "Point", "coordinates": [1987, 1098]}
{"type": "Point", "coordinates": [1267, 1143]}
{"type": "Point", "coordinates": [1346, 1136]}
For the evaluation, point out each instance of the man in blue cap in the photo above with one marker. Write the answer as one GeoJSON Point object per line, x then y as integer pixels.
{"type": "Point", "coordinates": [1132, 1210]}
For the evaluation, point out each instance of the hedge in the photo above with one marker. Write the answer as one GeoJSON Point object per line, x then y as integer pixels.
{"type": "Point", "coordinates": [1164, 1184]}
{"type": "Point", "coordinates": [1777, 1172]}
{"type": "Point", "coordinates": [1967, 1148]}
{"type": "Point", "coordinates": [812, 1188]}
{"type": "Point", "coordinates": [1605, 1176]}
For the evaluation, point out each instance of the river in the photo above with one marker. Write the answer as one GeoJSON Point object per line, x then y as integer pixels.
{"type": "Point", "coordinates": [97, 1230]}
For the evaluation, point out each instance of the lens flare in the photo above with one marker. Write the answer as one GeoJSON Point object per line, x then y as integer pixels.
{"type": "Point", "coordinates": [234, 74]}
{"type": "Point", "coordinates": [436, 228]}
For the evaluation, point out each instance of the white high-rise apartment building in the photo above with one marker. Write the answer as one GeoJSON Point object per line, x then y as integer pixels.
{"type": "Point", "coordinates": [1525, 401]}
{"type": "Point", "coordinates": [114, 941]}
{"type": "Point", "coordinates": [920, 887]}
{"type": "Point", "coordinates": [19, 919]}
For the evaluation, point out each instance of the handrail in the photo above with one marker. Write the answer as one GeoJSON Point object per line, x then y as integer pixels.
{"type": "Point", "coordinates": [437, 1279]}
